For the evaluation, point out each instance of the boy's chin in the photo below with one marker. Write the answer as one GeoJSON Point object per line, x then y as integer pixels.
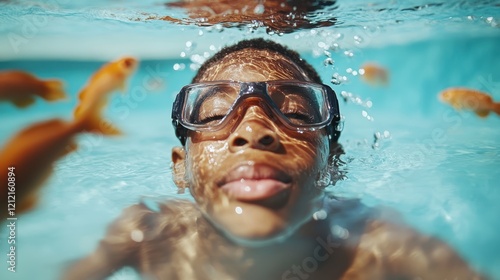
{"type": "Point", "coordinates": [252, 225]}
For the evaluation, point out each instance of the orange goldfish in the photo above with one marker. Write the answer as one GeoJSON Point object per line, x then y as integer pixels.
{"type": "Point", "coordinates": [20, 88]}
{"type": "Point", "coordinates": [108, 78]}
{"type": "Point", "coordinates": [374, 74]}
{"type": "Point", "coordinates": [30, 155]}
{"type": "Point", "coordinates": [464, 98]}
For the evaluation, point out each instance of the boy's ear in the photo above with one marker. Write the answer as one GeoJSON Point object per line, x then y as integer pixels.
{"type": "Point", "coordinates": [179, 167]}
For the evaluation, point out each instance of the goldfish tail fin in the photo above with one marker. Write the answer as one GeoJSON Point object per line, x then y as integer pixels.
{"type": "Point", "coordinates": [28, 203]}
{"type": "Point", "coordinates": [496, 108]}
{"type": "Point", "coordinates": [23, 102]}
{"type": "Point", "coordinates": [91, 118]}
{"type": "Point", "coordinates": [482, 113]}
{"type": "Point", "coordinates": [385, 79]}
{"type": "Point", "coordinates": [97, 125]}
{"type": "Point", "coordinates": [54, 90]}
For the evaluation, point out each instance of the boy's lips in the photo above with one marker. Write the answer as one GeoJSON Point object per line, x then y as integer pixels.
{"type": "Point", "coordinates": [254, 183]}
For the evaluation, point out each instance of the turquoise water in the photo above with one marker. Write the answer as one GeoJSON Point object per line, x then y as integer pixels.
{"type": "Point", "coordinates": [438, 167]}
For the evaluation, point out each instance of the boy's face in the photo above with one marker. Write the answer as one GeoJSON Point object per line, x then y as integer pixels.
{"type": "Point", "coordinates": [254, 179]}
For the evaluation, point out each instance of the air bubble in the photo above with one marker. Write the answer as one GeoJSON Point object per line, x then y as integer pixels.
{"type": "Point", "coordinates": [259, 9]}
{"type": "Point", "coordinates": [338, 79]}
{"type": "Point", "coordinates": [179, 66]}
{"type": "Point", "coordinates": [358, 40]}
{"type": "Point", "coordinates": [340, 232]}
{"type": "Point", "coordinates": [137, 235]}
{"type": "Point", "coordinates": [194, 66]}
{"type": "Point", "coordinates": [377, 137]}
{"type": "Point", "coordinates": [219, 28]}
{"type": "Point", "coordinates": [328, 61]}
{"type": "Point", "coordinates": [196, 58]}
{"type": "Point", "coordinates": [492, 22]}
{"type": "Point", "coordinates": [348, 53]}
{"type": "Point", "coordinates": [320, 215]}
{"type": "Point", "coordinates": [366, 115]}
{"type": "Point", "coordinates": [322, 45]}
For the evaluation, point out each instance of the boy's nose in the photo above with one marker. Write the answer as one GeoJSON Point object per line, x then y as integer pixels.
{"type": "Point", "coordinates": [254, 133]}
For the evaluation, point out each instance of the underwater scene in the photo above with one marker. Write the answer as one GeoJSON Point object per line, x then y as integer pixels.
{"type": "Point", "coordinates": [418, 86]}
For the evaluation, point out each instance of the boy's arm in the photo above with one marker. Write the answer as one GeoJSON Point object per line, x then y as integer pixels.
{"type": "Point", "coordinates": [119, 247]}
{"type": "Point", "coordinates": [389, 251]}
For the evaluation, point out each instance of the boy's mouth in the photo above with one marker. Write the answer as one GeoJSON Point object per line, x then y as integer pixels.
{"type": "Point", "coordinates": [258, 183]}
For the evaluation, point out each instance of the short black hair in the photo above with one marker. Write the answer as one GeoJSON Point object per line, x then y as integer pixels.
{"type": "Point", "coordinates": [259, 44]}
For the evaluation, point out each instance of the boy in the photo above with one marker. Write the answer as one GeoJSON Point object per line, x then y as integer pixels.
{"type": "Point", "coordinates": [259, 135]}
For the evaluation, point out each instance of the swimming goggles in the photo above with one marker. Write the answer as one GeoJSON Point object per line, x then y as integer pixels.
{"type": "Point", "coordinates": [298, 105]}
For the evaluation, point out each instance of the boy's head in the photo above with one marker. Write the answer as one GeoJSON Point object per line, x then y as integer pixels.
{"type": "Point", "coordinates": [258, 129]}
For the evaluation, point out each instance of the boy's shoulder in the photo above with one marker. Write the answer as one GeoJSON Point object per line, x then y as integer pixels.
{"type": "Point", "coordinates": [384, 245]}
{"type": "Point", "coordinates": [150, 218]}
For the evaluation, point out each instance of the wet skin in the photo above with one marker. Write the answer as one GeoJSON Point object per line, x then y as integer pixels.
{"type": "Point", "coordinates": [279, 167]}
{"type": "Point", "coordinates": [283, 170]}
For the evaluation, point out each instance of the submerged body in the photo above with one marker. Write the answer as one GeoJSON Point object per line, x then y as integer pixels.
{"type": "Point", "coordinates": [469, 99]}
{"type": "Point", "coordinates": [174, 241]}
{"type": "Point", "coordinates": [21, 88]}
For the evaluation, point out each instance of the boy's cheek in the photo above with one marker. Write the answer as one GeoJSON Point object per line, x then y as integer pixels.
{"type": "Point", "coordinates": [203, 160]}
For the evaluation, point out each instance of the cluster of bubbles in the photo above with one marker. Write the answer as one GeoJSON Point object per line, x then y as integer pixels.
{"type": "Point", "coordinates": [197, 59]}
{"type": "Point", "coordinates": [492, 22]}
{"type": "Point", "coordinates": [332, 41]}
{"type": "Point", "coordinates": [350, 97]}
{"type": "Point", "coordinates": [379, 136]}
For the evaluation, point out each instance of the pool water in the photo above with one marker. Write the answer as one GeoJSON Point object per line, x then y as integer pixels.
{"type": "Point", "coordinates": [404, 149]}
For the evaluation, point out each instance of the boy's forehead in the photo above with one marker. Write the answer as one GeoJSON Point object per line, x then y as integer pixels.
{"type": "Point", "coordinates": [249, 65]}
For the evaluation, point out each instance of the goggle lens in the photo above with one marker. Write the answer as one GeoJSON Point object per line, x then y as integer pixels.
{"type": "Point", "coordinates": [300, 105]}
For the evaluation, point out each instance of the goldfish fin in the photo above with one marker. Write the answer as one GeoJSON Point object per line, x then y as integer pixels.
{"type": "Point", "coordinates": [88, 115]}
{"type": "Point", "coordinates": [78, 111]}
{"type": "Point", "coordinates": [100, 126]}
{"type": "Point", "coordinates": [23, 102]}
{"type": "Point", "coordinates": [54, 90]}
{"type": "Point", "coordinates": [82, 95]}
{"type": "Point", "coordinates": [71, 147]}
{"type": "Point", "coordinates": [123, 88]}
{"type": "Point", "coordinates": [482, 113]}
{"type": "Point", "coordinates": [27, 203]}
{"type": "Point", "coordinates": [496, 108]}
{"type": "Point", "coordinates": [81, 104]}
{"type": "Point", "coordinates": [385, 79]}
